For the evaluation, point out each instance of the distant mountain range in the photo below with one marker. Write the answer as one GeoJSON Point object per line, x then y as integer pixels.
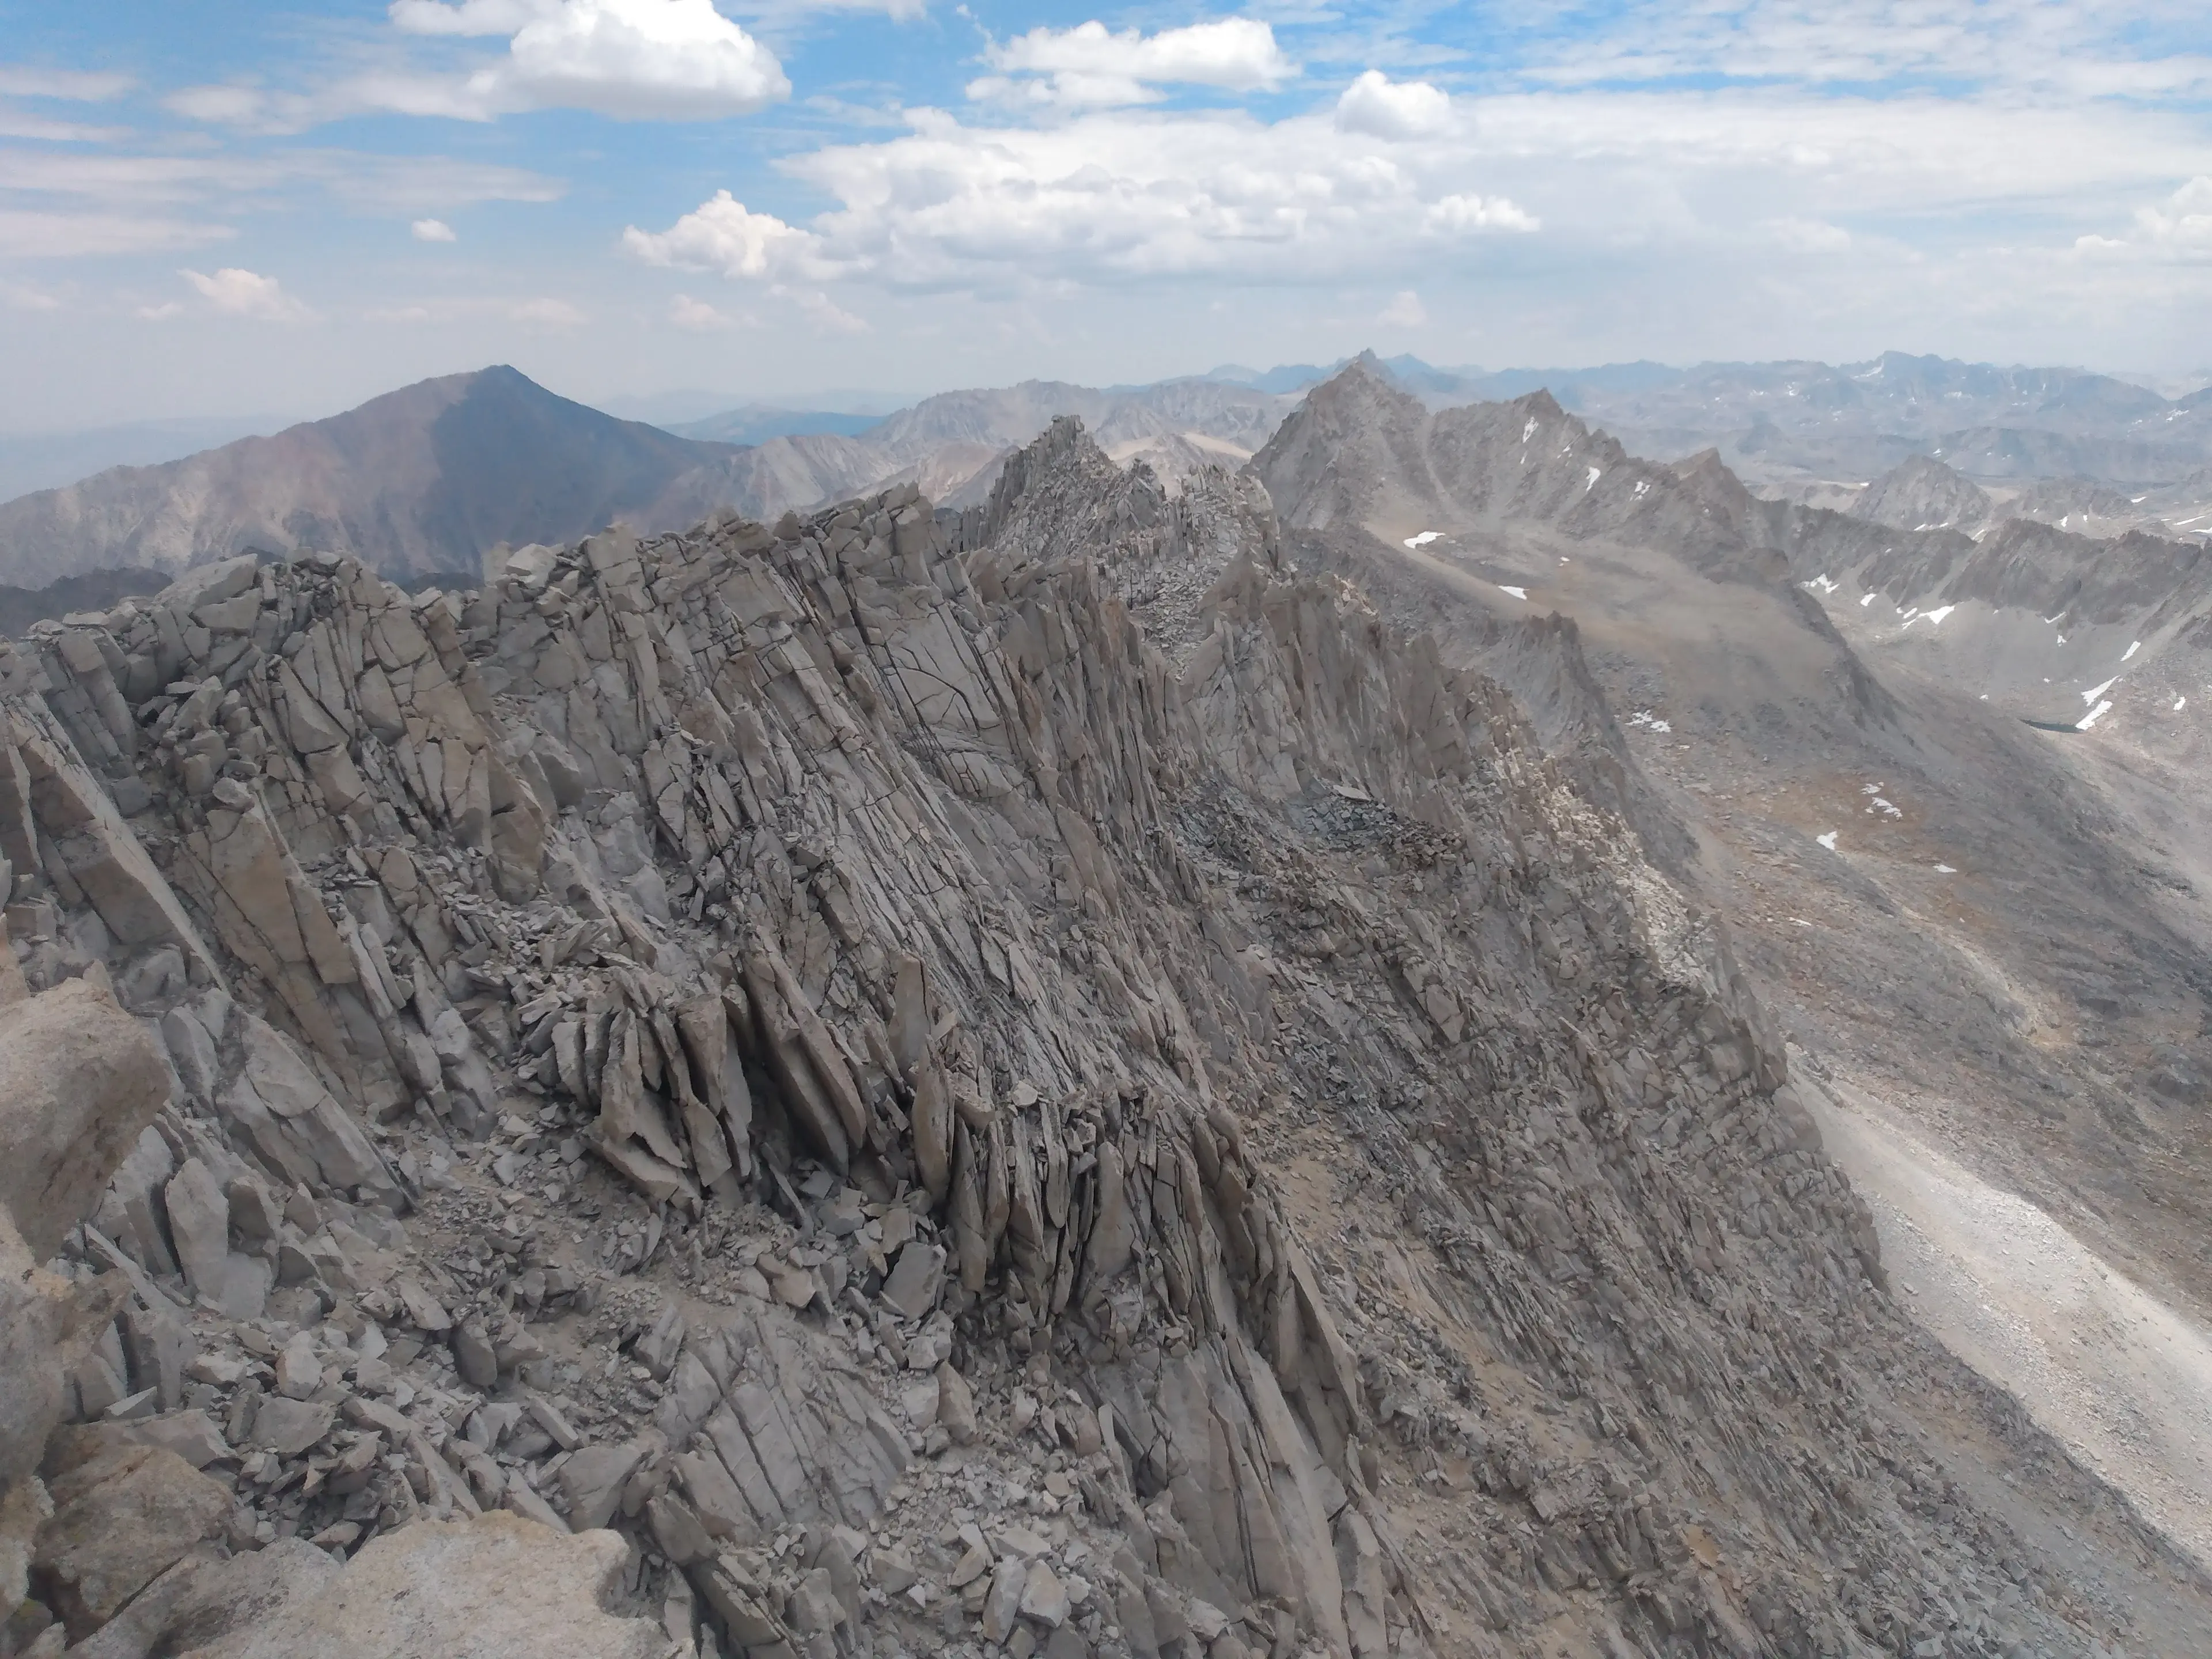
{"type": "Point", "coordinates": [755, 423]}
{"type": "Point", "coordinates": [428, 480]}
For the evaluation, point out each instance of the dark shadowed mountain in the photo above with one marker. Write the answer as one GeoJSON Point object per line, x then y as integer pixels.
{"type": "Point", "coordinates": [424, 479]}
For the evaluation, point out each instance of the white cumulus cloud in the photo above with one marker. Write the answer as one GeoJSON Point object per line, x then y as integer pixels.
{"type": "Point", "coordinates": [825, 314]}
{"type": "Point", "coordinates": [724, 236]}
{"type": "Point", "coordinates": [670, 60]}
{"type": "Point", "coordinates": [469, 16]}
{"type": "Point", "coordinates": [1458, 214]}
{"type": "Point", "coordinates": [1404, 310]}
{"type": "Point", "coordinates": [697, 315]}
{"type": "Point", "coordinates": [636, 60]}
{"type": "Point", "coordinates": [239, 293]}
{"type": "Point", "coordinates": [1109, 196]}
{"type": "Point", "coordinates": [432, 230]}
{"type": "Point", "coordinates": [2183, 219]}
{"type": "Point", "coordinates": [1378, 104]}
{"type": "Point", "coordinates": [1087, 66]}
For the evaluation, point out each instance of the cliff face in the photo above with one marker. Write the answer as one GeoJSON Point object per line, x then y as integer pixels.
{"type": "Point", "coordinates": [1028, 1077]}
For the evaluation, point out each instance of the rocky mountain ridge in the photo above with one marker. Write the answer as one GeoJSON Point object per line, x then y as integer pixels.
{"type": "Point", "coordinates": [1946, 786]}
{"type": "Point", "coordinates": [1031, 1078]}
{"type": "Point", "coordinates": [399, 481]}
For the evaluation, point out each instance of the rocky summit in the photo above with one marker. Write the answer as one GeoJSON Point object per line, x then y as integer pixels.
{"type": "Point", "coordinates": [1033, 1078]}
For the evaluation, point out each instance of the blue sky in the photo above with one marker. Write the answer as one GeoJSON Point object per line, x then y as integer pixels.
{"type": "Point", "coordinates": [224, 208]}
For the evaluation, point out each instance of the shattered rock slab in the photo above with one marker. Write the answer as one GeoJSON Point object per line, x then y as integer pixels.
{"type": "Point", "coordinates": [79, 1080]}
{"type": "Point", "coordinates": [120, 1521]}
{"type": "Point", "coordinates": [494, 1587]}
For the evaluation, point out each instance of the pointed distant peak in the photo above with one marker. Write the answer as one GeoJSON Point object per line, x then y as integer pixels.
{"type": "Point", "coordinates": [1922, 472]}
{"type": "Point", "coordinates": [1363, 377]}
{"type": "Point", "coordinates": [1540, 404]}
{"type": "Point", "coordinates": [1364, 367]}
{"type": "Point", "coordinates": [504, 377]}
{"type": "Point", "coordinates": [1710, 479]}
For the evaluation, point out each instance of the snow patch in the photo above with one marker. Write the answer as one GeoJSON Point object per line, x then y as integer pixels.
{"type": "Point", "coordinates": [1945, 870]}
{"type": "Point", "coordinates": [1528, 429]}
{"type": "Point", "coordinates": [1425, 539]}
{"type": "Point", "coordinates": [2094, 715]}
{"type": "Point", "coordinates": [1643, 485]}
{"type": "Point", "coordinates": [2130, 651]}
{"type": "Point", "coordinates": [2097, 691]}
{"type": "Point", "coordinates": [2180, 704]}
{"type": "Point", "coordinates": [1823, 584]}
{"type": "Point", "coordinates": [1590, 483]}
{"type": "Point", "coordinates": [1647, 720]}
{"type": "Point", "coordinates": [1866, 601]}
{"type": "Point", "coordinates": [1520, 593]}
{"type": "Point", "coordinates": [1827, 841]}
{"type": "Point", "coordinates": [1938, 614]}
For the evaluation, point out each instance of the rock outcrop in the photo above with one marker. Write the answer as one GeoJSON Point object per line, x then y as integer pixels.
{"type": "Point", "coordinates": [79, 1081]}
{"type": "Point", "coordinates": [1026, 1079]}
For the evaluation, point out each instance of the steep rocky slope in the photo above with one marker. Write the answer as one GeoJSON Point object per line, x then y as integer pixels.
{"type": "Point", "coordinates": [1026, 1079]}
{"type": "Point", "coordinates": [1990, 931]}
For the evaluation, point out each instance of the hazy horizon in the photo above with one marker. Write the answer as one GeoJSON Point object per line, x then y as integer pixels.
{"type": "Point", "coordinates": [211, 211]}
{"type": "Point", "coordinates": [679, 404]}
